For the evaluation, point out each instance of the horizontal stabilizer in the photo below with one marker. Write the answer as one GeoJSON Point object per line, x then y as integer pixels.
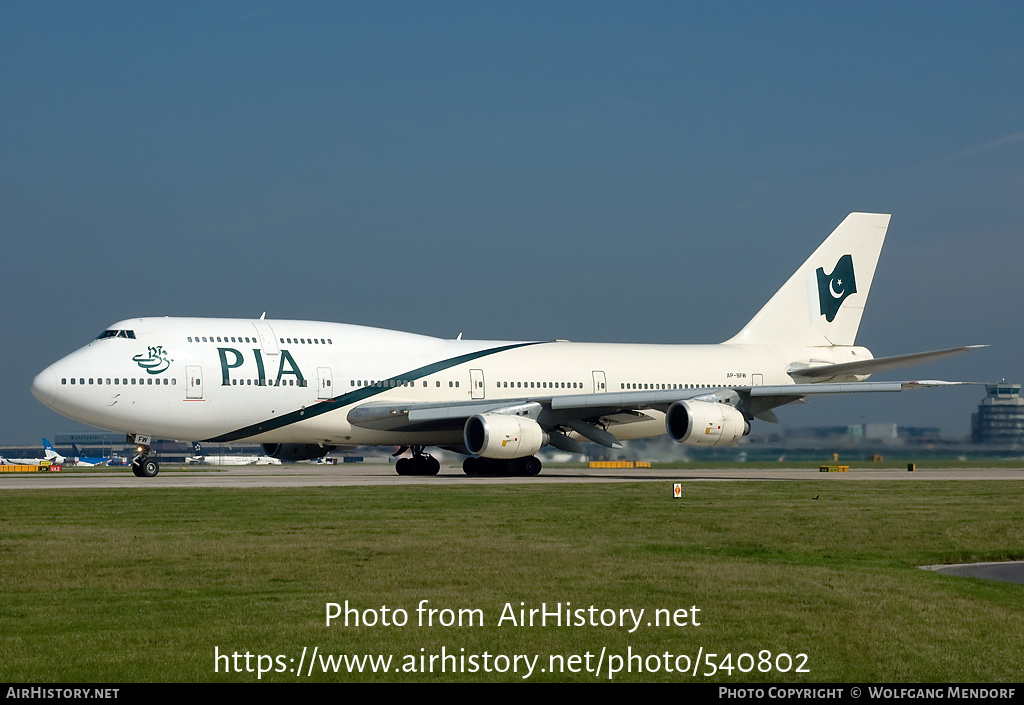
{"type": "Point", "coordinates": [806, 390]}
{"type": "Point", "coordinates": [879, 364]}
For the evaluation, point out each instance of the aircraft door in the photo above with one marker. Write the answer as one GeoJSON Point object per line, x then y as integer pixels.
{"type": "Point", "coordinates": [476, 382]}
{"type": "Point", "coordinates": [325, 383]}
{"type": "Point", "coordinates": [193, 382]}
{"type": "Point", "coordinates": [600, 384]}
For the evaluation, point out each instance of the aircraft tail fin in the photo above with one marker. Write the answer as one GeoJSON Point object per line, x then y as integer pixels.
{"type": "Point", "coordinates": [822, 303]}
{"type": "Point", "coordinates": [49, 450]}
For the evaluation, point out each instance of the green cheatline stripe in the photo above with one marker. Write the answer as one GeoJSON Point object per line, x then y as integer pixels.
{"type": "Point", "coordinates": [343, 400]}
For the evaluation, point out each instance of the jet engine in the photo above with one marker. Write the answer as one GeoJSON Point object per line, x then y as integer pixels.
{"type": "Point", "coordinates": [503, 436]}
{"type": "Point", "coordinates": [291, 452]}
{"type": "Point", "coordinates": [701, 423]}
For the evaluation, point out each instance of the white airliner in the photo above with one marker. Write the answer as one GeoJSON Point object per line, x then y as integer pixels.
{"type": "Point", "coordinates": [89, 461]}
{"type": "Point", "coordinates": [302, 388]}
{"type": "Point", "coordinates": [201, 458]}
{"type": "Point", "coordinates": [51, 457]}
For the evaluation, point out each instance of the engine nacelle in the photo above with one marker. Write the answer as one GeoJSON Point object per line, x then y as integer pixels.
{"type": "Point", "coordinates": [291, 452]}
{"type": "Point", "coordinates": [502, 436]}
{"type": "Point", "coordinates": [701, 423]}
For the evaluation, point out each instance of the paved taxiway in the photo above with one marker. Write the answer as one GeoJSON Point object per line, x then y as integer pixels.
{"type": "Point", "coordinates": [382, 474]}
{"type": "Point", "coordinates": [1007, 571]}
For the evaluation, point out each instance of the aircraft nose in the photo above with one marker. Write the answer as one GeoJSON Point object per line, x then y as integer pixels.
{"type": "Point", "coordinates": [44, 386]}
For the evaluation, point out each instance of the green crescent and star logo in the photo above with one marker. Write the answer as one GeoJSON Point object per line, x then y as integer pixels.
{"type": "Point", "coordinates": [835, 287]}
{"type": "Point", "coordinates": [155, 362]}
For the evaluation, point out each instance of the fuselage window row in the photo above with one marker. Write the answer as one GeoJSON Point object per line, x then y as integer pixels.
{"type": "Point", "coordinates": [379, 383]}
{"type": "Point", "coordinates": [393, 383]}
{"type": "Point", "coordinates": [173, 381]}
{"type": "Point", "coordinates": [119, 380]}
{"type": "Point", "coordinates": [539, 385]}
{"type": "Point", "coordinates": [270, 383]}
{"type": "Point", "coordinates": [249, 339]}
{"type": "Point", "coordinates": [638, 385]}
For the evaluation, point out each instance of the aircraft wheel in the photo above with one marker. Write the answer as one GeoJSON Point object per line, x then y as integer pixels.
{"type": "Point", "coordinates": [431, 466]}
{"type": "Point", "coordinates": [492, 467]}
{"type": "Point", "coordinates": [471, 466]}
{"type": "Point", "coordinates": [531, 466]}
{"type": "Point", "coordinates": [148, 467]}
{"type": "Point", "coordinates": [402, 466]}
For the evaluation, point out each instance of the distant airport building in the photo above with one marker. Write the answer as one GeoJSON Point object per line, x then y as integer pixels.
{"type": "Point", "coordinates": [1000, 417]}
{"type": "Point", "coordinates": [94, 438]}
{"type": "Point", "coordinates": [886, 432]}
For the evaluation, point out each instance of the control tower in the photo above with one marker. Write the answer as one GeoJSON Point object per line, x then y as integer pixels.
{"type": "Point", "coordinates": [1000, 417]}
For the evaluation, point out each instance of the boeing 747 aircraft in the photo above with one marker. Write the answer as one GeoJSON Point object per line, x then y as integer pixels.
{"type": "Point", "coordinates": [302, 388]}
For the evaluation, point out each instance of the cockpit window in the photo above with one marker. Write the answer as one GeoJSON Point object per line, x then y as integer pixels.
{"type": "Point", "coordinates": [116, 334]}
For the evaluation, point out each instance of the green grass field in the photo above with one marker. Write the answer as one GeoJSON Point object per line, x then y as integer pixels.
{"type": "Point", "coordinates": [145, 584]}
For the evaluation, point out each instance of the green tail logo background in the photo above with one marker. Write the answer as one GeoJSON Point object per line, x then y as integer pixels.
{"type": "Point", "coordinates": [835, 287]}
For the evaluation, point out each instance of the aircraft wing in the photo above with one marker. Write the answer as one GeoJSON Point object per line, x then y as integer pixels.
{"type": "Point", "coordinates": [590, 415]}
{"type": "Point", "coordinates": [586, 414]}
{"type": "Point", "coordinates": [423, 415]}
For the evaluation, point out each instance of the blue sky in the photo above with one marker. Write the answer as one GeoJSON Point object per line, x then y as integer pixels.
{"type": "Point", "coordinates": [600, 171]}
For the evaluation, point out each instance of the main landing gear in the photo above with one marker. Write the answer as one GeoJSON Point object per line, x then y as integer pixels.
{"type": "Point", "coordinates": [419, 464]}
{"type": "Point", "coordinates": [144, 464]}
{"type": "Point", "coordinates": [517, 467]}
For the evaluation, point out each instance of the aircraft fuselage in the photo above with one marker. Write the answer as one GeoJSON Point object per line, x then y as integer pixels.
{"type": "Point", "coordinates": [295, 381]}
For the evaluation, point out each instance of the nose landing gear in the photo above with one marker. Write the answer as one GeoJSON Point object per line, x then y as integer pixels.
{"type": "Point", "coordinates": [144, 464]}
